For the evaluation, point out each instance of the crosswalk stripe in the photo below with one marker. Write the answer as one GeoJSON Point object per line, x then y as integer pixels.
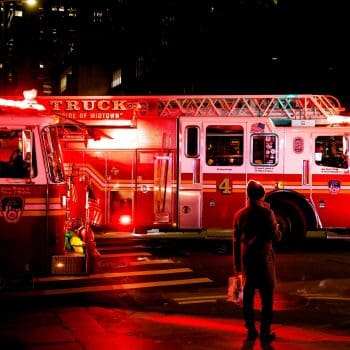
{"type": "Point", "coordinates": [151, 262]}
{"type": "Point", "coordinates": [106, 288]}
{"type": "Point", "coordinates": [204, 300]}
{"type": "Point", "coordinates": [112, 275]}
{"type": "Point", "coordinates": [199, 299]}
{"type": "Point", "coordinates": [115, 255]}
{"type": "Point", "coordinates": [329, 297]}
{"type": "Point", "coordinates": [103, 249]}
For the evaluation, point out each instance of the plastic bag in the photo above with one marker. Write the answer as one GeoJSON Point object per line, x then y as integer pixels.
{"type": "Point", "coordinates": [235, 288]}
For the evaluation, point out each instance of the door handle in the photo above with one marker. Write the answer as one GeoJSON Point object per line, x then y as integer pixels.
{"type": "Point", "coordinates": [306, 172]}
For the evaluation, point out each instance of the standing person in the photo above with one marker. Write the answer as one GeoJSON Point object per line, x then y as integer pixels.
{"type": "Point", "coordinates": [254, 228]}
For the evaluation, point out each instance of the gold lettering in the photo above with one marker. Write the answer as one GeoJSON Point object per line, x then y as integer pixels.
{"type": "Point", "coordinates": [89, 105]}
{"type": "Point", "coordinates": [103, 105]}
{"type": "Point", "coordinates": [118, 105]}
{"type": "Point", "coordinates": [73, 105]}
{"type": "Point", "coordinates": [224, 186]}
{"type": "Point", "coordinates": [55, 105]}
{"type": "Point", "coordinates": [94, 105]}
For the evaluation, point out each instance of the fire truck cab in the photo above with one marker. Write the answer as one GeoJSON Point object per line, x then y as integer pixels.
{"type": "Point", "coordinates": [32, 189]}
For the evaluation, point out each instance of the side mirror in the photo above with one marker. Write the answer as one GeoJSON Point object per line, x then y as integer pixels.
{"type": "Point", "coordinates": [27, 137]}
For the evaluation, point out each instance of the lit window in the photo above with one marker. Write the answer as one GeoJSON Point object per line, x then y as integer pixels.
{"type": "Point", "coordinates": [63, 84]}
{"type": "Point", "coordinates": [139, 66]}
{"type": "Point", "coordinates": [116, 78]}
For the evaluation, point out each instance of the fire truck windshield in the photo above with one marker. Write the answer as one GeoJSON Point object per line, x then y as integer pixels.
{"type": "Point", "coordinates": [16, 159]}
{"type": "Point", "coordinates": [53, 154]}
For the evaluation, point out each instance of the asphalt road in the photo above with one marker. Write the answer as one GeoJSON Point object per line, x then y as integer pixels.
{"type": "Point", "coordinates": [163, 295]}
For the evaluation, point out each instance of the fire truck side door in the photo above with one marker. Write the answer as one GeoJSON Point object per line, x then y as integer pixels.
{"type": "Point", "coordinates": [190, 177]}
{"type": "Point", "coordinates": [329, 173]}
{"type": "Point", "coordinates": [225, 159]}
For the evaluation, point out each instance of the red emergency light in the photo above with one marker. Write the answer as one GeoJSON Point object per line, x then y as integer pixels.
{"type": "Point", "coordinates": [125, 220]}
{"type": "Point", "coordinates": [29, 101]}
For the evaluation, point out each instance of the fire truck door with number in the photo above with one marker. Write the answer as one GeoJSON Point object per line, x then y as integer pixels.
{"type": "Point", "coordinates": [330, 178]}
{"type": "Point", "coordinates": [211, 173]}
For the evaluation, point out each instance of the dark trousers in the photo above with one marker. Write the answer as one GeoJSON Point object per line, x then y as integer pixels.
{"type": "Point", "coordinates": [266, 296]}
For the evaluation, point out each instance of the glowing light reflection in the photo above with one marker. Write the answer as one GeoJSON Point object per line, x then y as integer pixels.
{"type": "Point", "coordinates": [297, 336]}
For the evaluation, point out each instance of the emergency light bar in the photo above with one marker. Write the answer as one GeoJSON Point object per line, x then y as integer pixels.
{"type": "Point", "coordinates": [28, 102]}
{"type": "Point", "coordinates": [338, 119]}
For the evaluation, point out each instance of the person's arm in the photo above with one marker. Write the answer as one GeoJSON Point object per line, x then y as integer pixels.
{"type": "Point", "coordinates": [277, 234]}
{"type": "Point", "coordinates": [236, 245]}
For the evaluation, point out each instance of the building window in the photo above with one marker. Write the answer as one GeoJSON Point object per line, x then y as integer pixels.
{"type": "Point", "coordinates": [116, 78]}
{"type": "Point", "coordinates": [140, 61]}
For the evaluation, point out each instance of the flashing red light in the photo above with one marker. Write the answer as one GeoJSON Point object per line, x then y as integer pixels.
{"type": "Point", "coordinates": [125, 220]}
{"type": "Point", "coordinates": [29, 101]}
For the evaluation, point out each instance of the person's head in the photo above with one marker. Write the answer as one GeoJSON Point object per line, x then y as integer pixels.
{"type": "Point", "coordinates": [255, 190]}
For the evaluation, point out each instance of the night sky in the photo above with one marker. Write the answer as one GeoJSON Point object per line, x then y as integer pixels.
{"type": "Point", "coordinates": [212, 46]}
{"type": "Point", "coordinates": [252, 46]}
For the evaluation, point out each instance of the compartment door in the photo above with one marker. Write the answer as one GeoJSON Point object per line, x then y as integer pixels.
{"type": "Point", "coordinates": [190, 176]}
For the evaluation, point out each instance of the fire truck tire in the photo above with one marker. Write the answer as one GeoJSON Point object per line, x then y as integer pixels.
{"type": "Point", "coordinates": [292, 222]}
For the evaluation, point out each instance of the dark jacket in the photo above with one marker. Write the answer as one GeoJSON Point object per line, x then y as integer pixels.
{"type": "Point", "coordinates": [255, 228]}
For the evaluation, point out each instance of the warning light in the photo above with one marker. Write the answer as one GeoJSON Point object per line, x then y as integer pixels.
{"type": "Point", "coordinates": [60, 265]}
{"type": "Point", "coordinates": [29, 101]}
{"type": "Point", "coordinates": [125, 219]}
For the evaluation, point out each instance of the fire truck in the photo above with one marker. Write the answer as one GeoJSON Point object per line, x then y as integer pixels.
{"type": "Point", "coordinates": [177, 166]}
{"type": "Point", "coordinates": [33, 192]}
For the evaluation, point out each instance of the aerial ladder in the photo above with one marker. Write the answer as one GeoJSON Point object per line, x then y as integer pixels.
{"type": "Point", "coordinates": [288, 106]}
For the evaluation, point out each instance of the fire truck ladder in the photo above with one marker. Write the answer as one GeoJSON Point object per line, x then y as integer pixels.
{"type": "Point", "coordinates": [288, 106]}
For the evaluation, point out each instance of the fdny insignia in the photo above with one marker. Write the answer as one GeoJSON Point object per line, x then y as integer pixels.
{"type": "Point", "coordinates": [334, 186]}
{"type": "Point", "coordinates": [12, 208]}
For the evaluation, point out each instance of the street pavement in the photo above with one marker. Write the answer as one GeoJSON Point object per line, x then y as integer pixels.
{"type": "Point", "coordinates": [214, 325]}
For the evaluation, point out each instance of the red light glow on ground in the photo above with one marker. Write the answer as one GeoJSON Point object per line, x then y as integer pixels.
{"type": "Point", "coordinates": [288, 337]}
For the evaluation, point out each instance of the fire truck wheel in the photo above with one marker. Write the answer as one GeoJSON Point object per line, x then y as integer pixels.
{"type": "Point", "coordinates": [292, 222]}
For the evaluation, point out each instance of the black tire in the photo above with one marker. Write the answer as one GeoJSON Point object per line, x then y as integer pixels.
{"type": "Point", "coordinates": [292, 221]}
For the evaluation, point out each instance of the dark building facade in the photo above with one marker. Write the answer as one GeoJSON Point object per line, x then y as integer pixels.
{"type": "Point", "coordinates": [105, 47]}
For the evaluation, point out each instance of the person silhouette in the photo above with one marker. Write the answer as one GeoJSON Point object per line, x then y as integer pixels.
{"type": "Point", "coordinates": [254, 229]}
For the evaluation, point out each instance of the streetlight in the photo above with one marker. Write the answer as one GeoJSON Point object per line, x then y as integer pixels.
{"type": "Point", "coordinates": [8, 10]}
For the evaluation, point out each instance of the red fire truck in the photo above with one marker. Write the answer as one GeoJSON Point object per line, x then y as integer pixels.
{"type": "Point", "coordinates": [177, 166]}
{"type": "Point", "coordinates": [32, 191]}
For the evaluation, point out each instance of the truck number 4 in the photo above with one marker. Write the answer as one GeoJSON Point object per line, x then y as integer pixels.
{"type": "Point", "coordinates": [224, 186]}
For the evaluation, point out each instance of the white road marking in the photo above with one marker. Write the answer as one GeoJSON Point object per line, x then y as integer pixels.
{"type": "Point", "coordinates": [151, 262]}
{"type": "Point", "coordinates": [199, 299]}
{"type": "Point", "coordinates": [103, 249]}
{"type": "Point", "coordinates": [325, 296]}
{"type": "Point", "coordinates": [116, 255]}
{"type": "Point", "coordinates": [111, 275]}
{"type": "Point", "coordinates": [106, 288]}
